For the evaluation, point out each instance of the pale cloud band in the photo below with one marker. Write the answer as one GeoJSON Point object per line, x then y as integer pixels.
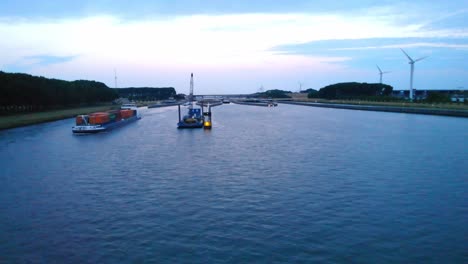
{"type": "Point", "coordinates": [231, 41]}
{"type": "Point", "coordinates": [207, 39]}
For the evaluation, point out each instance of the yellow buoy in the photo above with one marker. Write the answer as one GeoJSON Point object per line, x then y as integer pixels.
{"type": "Point", "coordinates": [207, 124]}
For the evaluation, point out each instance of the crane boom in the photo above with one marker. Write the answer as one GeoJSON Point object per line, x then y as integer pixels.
{"type": "Point", "coordinates": [191, 88]}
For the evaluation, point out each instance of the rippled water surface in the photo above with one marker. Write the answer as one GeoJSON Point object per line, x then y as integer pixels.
{"type": "Point", "coordinates": [265, 185]}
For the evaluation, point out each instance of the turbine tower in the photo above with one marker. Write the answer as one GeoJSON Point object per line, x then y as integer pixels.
{"type": "Point", "coordinates": [115, 78]}
{"type": "Point", "coordinates": [381, 73]}
{"type": "Point", "coordinates": [300, 86]}
{"type": "Point", "coordinates": [412, 62]}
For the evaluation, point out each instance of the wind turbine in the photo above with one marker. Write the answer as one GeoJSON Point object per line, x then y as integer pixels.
{"type": "Point", "coordinates": [300, 87]}
{"type": "Point", "coordinates": [115, 78]}
{"type": "Point", "coordinates": [381, 73]}
{"type": "Point", "coordinates": [412, 62]}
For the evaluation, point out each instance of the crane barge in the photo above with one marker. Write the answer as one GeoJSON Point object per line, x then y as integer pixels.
{"type": "Point", "coordinates": [193, 118]}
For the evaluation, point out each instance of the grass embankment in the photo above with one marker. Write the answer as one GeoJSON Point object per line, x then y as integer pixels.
{"type": "Point", "coordinates": [146, 103]}
{"type": "Point", "coordinates": [453, 106]}
{"type": "Point", "coordinates": [17, 120]}
{"type": "Point", "coordinates": [448, 106]}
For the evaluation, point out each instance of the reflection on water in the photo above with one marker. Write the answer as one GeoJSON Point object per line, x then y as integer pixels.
{"type": "Point", "coordinates": [285, 184]}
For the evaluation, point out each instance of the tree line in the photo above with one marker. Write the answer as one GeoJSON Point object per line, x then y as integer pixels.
{"type": "Point", "coordinates": [146, 93]}
{"type": "Point", "coordinates": [352, 90]}
{"type": "Point", "coordinates": [24, 93]}
{"type": "Point", "coordinates": [374, 92]}
{"type": "Point", "coordinates": [273, 94]}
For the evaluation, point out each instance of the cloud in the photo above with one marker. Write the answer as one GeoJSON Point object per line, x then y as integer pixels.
{"type": "Point", "coordinates": [151, 8]}
{"type": "Point", "coordinates": [233, 40]}
{"type": "Point", "coordinates": [202, 39]}
{"type": "Point", "coordinates": [410, 45]}
{"type": "Point", "coordinates": [29, 62]}
{"type": "Point", "coordinates": [334, 47]}
{"type": "Point", "coordinates": [48, 59]}
{"type": "Point", "coordinates": [286, 44]}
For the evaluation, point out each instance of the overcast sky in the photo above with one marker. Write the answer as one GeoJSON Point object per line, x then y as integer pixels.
{"type": "Point", "coordinates": [237, 46]}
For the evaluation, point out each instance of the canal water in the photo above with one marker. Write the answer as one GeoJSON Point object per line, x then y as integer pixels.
{"type": "Point", "coordinates": [266, 185]}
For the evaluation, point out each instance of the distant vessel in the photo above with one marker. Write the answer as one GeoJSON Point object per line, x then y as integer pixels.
{"type": "Point", "coordinates": [256, 102]}
{"type": "Point", "coordinates": [130, 106]}
{"type": "Point", "coordinates": [272, 104]}
{"type": "Point", "coordinates": [193, 118]}
{"type": "Point", "coordinates": [104, 121]}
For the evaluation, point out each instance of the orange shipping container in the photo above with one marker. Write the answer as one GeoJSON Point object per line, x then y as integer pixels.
{"type": "Point", "coordinates": [98, 118]}
{"type": "Point", "coordinates": [126, 113]}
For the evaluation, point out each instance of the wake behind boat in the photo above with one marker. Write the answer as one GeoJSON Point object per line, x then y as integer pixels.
{"type": "Point", "coordinates": [104, 121]}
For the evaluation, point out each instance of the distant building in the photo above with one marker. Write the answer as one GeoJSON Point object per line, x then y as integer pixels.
{"type": "Point", "coordinates": [455, 95]}
{"type": "Point", "coordinates": [121, 100]}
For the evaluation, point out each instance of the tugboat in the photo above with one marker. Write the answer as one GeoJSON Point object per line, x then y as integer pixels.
{"type": "Point", "coordinates": [194, 118]}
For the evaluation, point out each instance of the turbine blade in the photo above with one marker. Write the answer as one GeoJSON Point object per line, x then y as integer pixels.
{"type": "Point", "coordinates": [409, 58]}
{"type": "Point", "coordinates": [386, 72]}
{"type": "Point", "coordinates": [379, 68]}
{"type": "Point", "coordinates": [422, 58]}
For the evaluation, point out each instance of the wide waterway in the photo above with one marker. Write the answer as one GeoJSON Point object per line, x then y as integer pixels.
{"type": "Point", "coordinates": [266, 185]}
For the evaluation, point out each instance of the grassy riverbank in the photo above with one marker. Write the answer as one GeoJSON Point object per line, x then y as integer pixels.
{"type": "Point", "coordinates": [452, 106]}
{"type": "Point", "coordinates": [448, 106]}
{"type": "Point", "coordinates": [381, 108]}
{"type": "Point", "coordinates": [17, 120]}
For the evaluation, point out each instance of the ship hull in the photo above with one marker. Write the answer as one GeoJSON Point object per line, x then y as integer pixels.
{"type": "Point", "coordinates": [92, 129]}
{"type": "Point", "coordinates": [190, 125]}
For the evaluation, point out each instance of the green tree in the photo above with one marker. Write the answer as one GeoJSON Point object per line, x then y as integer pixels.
{"type": "Point", "coordinates": [273, 94]}
{"type": "Point", "coordinates": [435, 97]}
{"type": "Point", "coordinates": [353, 90]}
{"type": "Point", "coordinates": [146, 93]}
{"type": "Point", "coordinates": [23, 91]}
{"type": "Point", "coordinates": [312, 93]}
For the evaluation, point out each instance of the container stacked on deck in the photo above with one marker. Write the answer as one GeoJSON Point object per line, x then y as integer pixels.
{"type": "Point", "coordinates": [99, 118]}
{"type": "Point", "coordinates": [127, 113]}
{"type": "Point", "coordinates": [114, 115]}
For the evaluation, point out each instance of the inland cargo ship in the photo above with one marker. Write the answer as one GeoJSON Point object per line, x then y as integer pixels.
{"type": "Point", "coordinates": [104, 121]}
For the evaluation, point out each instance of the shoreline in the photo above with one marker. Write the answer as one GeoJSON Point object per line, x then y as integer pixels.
{"type": "Point", "coordinates": [386, 108]}
{"type": "Point", "coordinates": [251, 103]}
{"type": "Point", "coordinates": [26, 119]}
